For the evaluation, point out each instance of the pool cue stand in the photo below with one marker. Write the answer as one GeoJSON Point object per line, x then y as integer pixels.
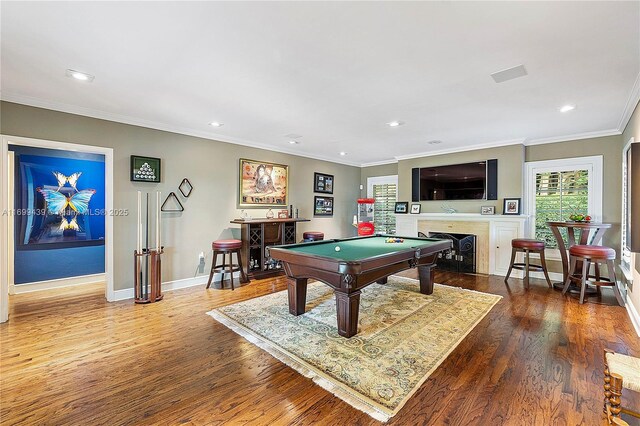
{"type": "Point", "coordinates": [148, 275]}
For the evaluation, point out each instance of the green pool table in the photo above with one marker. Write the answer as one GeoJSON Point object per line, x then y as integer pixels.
{"type": "Point", "coordinates": [359, 262]}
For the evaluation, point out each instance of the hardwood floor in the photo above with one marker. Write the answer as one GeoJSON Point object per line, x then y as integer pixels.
{"type": "Point", "coordinates": [69, 357]}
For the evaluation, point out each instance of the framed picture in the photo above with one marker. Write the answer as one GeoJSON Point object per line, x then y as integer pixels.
{"type": "Point", "coordinates": [322, 183]}
{"type": "Point", "coordinates": [323, 206]}
{"type": "Point", "coordinates": [145, 169]}
{"type": "Point", "coordinates": [283, 214]}
{"type": "Point", "coordinates": [415, 208]}
{"type": "Point", "coordinates": [487, 210]}
{"type": "Point", "coordinates": [263, 184]}
{"type": "Point", "coordinates": [511, 206]}
{"type": "Point", "coordinates": [402, 207]}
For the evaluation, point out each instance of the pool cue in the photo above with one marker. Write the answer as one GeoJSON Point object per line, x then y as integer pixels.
{"type": "Point", "coordinates": [139, 245]}
{"type": "Point", "coordinates": [158, 221]}
{"type": "Point", "coordinates": [146, 263]}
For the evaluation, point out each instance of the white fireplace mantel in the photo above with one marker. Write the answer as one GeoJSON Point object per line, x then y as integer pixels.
{"type": "Point", "coordinates": [494, 234]}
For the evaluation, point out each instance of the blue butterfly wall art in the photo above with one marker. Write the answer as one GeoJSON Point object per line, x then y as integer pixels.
{"type": "Point", "coordinates": [67, 206]}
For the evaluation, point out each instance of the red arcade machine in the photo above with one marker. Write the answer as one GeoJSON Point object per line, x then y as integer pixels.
{"type": "Point", "coordinates": [365, 216]}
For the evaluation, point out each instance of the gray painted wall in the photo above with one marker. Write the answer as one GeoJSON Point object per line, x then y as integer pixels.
{"type": "Point", "coordinates": [610, 148]}
{"type": "Point", "coordinates": [510, 164]}
{"type": "Point", "coordinates": [511, 161]}
{"type": "Point", "coordinates": [382, 170]}
{"type": "Point", "coordinates": [212, 168]}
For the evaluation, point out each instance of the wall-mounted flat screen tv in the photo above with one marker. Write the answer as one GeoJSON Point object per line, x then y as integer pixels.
{"type": "Point", "coordinates": [456, 182]}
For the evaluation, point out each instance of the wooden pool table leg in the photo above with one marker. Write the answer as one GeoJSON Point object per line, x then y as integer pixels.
{"type": "Point", "coordinates": [297, 289]}
{"type": "Point", "coordinates": [348, 307]}
{"type": "Point", "coordinates": [382, 280]}
{"type": "Point", "coordinates": [426, 279]}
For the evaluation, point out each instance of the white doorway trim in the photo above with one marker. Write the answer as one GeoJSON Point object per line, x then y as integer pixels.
{"type": "Point", "coordinates": [380, 180]}
{"type": "Point", "coordinates": [594, 164]}
{"type": "Point", "coordinates": [4, 204]}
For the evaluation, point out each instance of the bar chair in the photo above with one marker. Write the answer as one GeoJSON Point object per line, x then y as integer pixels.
{"type": "Point", "coordinates": [225, 247]}
{"type": "Point", "coordinates": [592, 254]}
{"type": "Point", "coordinates": [312, 236]}
{"type": "Point", "coordinates": [528, 246]}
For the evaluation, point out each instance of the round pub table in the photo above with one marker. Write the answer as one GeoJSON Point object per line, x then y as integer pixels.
{"type": "Point", "coordinates": [594, 229]}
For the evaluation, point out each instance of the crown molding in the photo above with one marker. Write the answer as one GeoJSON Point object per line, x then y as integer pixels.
{"type": "Point", "coordinates": [496, 144]}
{"type": "Point", "coordinates": [118, 118]}
{"type": "Point", "coordinates": [380, 163]}
{"type": "Point", "coordinates": [574, 137]}
{"type": "Point", "coordinates": [632, 102]}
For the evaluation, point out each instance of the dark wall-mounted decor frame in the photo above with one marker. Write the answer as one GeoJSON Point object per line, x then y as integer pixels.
{"type": "Point", "coordinates": [172, 196]}
{"type": "Point", "coordinates": [323, 183]}
{"type": "Point", "coordinates": [512, 206]}
{"type": "Point", "coordinates": [323, 206]}
{"type": "Point", "coordinates": [145, 169]}
{"type": "Point", "coordinates": [185, 187]}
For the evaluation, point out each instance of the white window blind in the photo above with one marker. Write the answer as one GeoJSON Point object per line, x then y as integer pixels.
{"type": "Point", "coordinates": [385, 191]}
{"type": "Point", "coordinates": [559, 195]}
{"type": "Point", "coordinates": [384, 218]}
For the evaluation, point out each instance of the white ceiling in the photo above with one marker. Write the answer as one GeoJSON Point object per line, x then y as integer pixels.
{"type": "Point", "coordinates": [332, 72]}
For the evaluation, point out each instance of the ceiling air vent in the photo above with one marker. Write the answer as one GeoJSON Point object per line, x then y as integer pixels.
{"type": "Point", "coordinates": [509, 74]}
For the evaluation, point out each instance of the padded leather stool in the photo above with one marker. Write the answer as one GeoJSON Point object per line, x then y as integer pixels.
{"type": "Point", "coordinates": [312, 236]}
{"type": "Point", "coordinates": [527, 246]}
{"type": "Point", "coordinates": [224, 247]}
{"type": "Point", "coordinates": [592, 254]}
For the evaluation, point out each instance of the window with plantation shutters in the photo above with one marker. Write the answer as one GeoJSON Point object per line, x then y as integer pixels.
{"type": "Point", "coordinates": [558, 189]}
{"type": "Point", "coordinates": [558, 196]}
{"type": "Point", "coordinates": [384, 189]}
{"type": "Point", "coordinates": [384, 218]}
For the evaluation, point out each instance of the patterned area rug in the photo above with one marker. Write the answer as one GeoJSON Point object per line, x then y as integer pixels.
{"type": "Point", "coordinates": [403, 336]}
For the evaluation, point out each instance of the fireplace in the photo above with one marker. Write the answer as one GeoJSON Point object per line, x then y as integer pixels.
{"type": "Point", "coordinates": [462, 257]}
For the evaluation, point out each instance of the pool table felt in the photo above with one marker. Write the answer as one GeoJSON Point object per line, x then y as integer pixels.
{"type": "Point", "coordinates": [357, 249]}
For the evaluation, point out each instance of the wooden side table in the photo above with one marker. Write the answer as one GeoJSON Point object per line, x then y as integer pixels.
{"type": "Point", "coordinates": [596, 229]}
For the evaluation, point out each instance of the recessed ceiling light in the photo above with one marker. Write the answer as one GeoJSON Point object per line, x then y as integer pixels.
{"type": "Point", "coordinates": [395, 123]}
{"type": "Point", "coordinates": [216, 124]}
{"type": "Point", "coordinates": [78, 75]}
{"type": "Point", "coordinates": [435, 142]}
{"type": "Point", "coordinates": [292, 142]}
{"type": "Point", "coordinates": [567, 108]}
{"type": "Point", "coordinates": [343, 153]}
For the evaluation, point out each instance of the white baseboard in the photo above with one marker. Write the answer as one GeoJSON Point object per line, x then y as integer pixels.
{"type": "Point", "coordinates": [633, 314]}
{"type": "Point", "coordinates": [553, 276]}
{"type": "Point", "coordinates": [59, 283]}
{"type": "Point", "coordinates": [124, 294]}
{"type": "Point", "coordinates": [128, 293]}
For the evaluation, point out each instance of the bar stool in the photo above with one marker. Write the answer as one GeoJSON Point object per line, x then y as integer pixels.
{"type": "Point", "coordinates": [592, 254]}
{"type": "Point", "coordinates": [527, 246]}
{"type": "Point", "coordinates": [224, 247]}
{"type": "Point", "coordinates": [313, 236]}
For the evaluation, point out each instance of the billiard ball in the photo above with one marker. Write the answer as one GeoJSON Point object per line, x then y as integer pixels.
{"type": "Point", "coordinates": [337, 248]}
